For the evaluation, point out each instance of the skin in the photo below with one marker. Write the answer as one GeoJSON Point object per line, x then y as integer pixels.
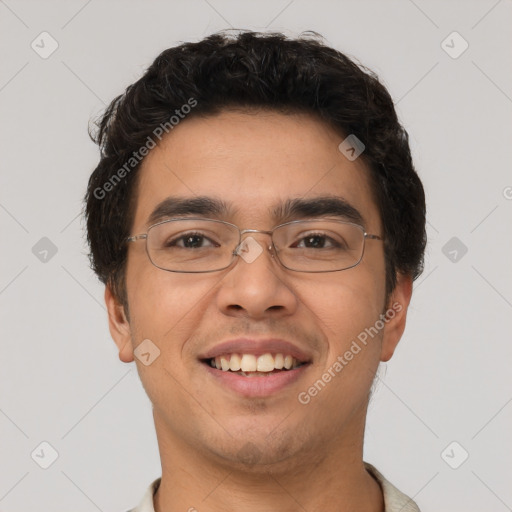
{"type": "Point", "coordinates": [307, 457]}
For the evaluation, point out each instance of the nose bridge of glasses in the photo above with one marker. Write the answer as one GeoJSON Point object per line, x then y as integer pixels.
{"type": "Point", "coordinates": [252, 231]}
{"type": "Point", "coordinates": [243, 231]}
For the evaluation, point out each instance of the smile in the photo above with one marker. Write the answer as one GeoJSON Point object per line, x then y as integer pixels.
{"type": "Point", "coordinates": [250, 365]}
{"type": "Point", "coordinates": [238, 372]}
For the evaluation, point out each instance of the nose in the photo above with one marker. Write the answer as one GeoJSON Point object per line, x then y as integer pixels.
{"type": "Point", "coordinates": [256, 285]}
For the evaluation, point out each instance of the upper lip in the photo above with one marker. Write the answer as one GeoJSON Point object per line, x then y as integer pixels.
{"type": "Point", "coordinates": [257, 347]}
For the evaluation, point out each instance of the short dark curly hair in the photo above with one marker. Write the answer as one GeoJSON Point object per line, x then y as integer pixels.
{"type": "Point", "coordinates": [248, 70]}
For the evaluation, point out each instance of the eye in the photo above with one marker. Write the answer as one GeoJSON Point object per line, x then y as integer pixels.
{"type": "Point", "coordinates": [317, 241]}
{"type": "Point", "coordinates": [191, 241]}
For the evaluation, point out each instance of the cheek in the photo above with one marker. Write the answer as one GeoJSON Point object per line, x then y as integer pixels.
{"type": "Point", "coordinates": [345, 306]}
{"type": "Point", "coordinates": [165, 307]}
{"type": "Point", "coordinates": [343, 310]}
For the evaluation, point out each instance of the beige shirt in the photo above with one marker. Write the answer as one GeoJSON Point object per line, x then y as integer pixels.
{"type": "Point", "coordinates": [394, 500]}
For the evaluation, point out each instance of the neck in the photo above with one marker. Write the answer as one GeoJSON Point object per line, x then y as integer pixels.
{"type": "Point", "coordinates": [193, 480]}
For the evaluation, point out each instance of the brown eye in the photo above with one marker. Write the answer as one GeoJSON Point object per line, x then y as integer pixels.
{"type": "Point", "coordinates": [191, 241]}
{"type": "Point", "coordinates": [317, 241]}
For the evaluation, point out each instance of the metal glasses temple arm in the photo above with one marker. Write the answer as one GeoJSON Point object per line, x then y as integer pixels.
{"type": "Point", "coordinates": [136, 237]}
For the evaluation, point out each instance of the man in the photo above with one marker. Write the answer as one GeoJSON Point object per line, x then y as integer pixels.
{"type": "Point", "coordinates": [258, 222]}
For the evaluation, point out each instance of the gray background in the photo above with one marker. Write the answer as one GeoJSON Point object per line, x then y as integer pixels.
{"type": "Point", "coordinates": [60, 379]}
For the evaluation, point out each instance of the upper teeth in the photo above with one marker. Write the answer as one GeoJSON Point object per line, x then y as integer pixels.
{"type": "Point", "coordinates": [251, 363]}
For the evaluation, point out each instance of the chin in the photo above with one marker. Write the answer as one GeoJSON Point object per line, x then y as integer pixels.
{"type": "Point", "coordinates": [259, 453]}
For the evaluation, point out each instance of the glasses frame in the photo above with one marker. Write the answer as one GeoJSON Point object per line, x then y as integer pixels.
{"type": "Point", "coordinates": [272, 248]}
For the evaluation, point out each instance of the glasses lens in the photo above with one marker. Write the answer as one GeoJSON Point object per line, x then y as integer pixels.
{"type": "Point", "coordinates": [319, 246]}
{"type": "Point", "coordinates": [192, 245]}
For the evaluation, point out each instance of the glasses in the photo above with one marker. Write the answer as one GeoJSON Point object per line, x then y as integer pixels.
{"type": "Point", "coordinates": [206, 245]}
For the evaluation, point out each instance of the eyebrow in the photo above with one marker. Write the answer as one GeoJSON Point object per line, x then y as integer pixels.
{"type": "Point", "coordinates": [187, 206]}
{"type": "Point", "coordinates": [291, 209]}
{"type": "Point", "coordinates": [325, 206]}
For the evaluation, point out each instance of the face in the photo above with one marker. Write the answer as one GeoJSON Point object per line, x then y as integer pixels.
{"type": "Point", "coordinates": [254, 163]}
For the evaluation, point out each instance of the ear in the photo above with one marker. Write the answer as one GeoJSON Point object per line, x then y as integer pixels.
{"type": "Point", "coordinates": [119, 326]}
{"type": "Point", "coordinates": [396, 314]}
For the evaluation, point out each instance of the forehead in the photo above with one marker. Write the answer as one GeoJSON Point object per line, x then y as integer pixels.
{"type": "Point", "coordinates": [254, 164]}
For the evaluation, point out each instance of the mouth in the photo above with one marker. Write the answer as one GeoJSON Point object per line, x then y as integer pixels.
{"type": "Point", "coordinates": [251, 365]}
{"type": "Point", "coordinates": [255, 369]}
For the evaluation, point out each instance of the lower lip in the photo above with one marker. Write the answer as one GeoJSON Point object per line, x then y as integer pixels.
{"type": "Point", "coordinates": [256, 386]}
